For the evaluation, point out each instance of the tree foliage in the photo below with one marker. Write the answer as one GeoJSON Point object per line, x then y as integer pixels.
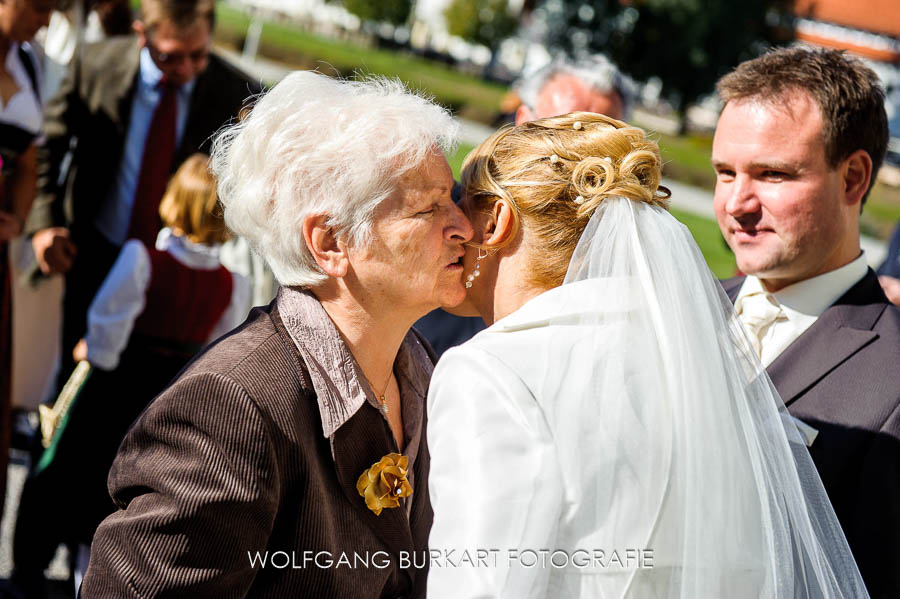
{"type": "Point", "coordinates": [486, 22]}
{"type": "Point", "coordinates": [392, 11]}
{"type": "Point", "coordinates": [688, 44]}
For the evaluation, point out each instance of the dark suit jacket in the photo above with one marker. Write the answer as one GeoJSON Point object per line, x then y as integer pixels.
{"type": "Point", "coordinates": [92, 109]}
{"type": "Point", "coordinates": [231, 461]}
{"type": "Point", "coordinates": [842, 376]}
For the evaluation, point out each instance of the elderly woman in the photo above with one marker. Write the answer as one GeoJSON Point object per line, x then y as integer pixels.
{"type": "Point", "coordinates": [289, 459]}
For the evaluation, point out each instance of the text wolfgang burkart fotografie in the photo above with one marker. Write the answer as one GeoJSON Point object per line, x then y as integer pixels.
{"type": "Point", "coordinates": [615, 559]}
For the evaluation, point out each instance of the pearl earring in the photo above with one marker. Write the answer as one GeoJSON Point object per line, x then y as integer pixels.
{"type": "Point", "coordinates": [471, 278]}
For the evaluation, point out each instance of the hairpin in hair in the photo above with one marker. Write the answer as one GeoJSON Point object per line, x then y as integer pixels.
{"type": "Point", "coordinates": [580, 200]}
{"type": "Point", "coordinates": [576, 125]}
{"type": "Point", "coordinates": [554, 158]}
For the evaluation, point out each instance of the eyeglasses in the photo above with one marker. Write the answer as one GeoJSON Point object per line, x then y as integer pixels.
{"type": "Point", "coordinates": [171, 58]}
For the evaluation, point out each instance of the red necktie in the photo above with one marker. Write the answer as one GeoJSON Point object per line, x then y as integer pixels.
{"type": "Point", "coordinates": [156, 164]}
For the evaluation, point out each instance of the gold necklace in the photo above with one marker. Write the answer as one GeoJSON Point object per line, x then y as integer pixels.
{"type": "Point", "coordinates": [381, 399]}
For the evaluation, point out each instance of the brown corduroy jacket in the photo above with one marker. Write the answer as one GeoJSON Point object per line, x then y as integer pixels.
{"type": "Point", "coordinates": [226, 487]}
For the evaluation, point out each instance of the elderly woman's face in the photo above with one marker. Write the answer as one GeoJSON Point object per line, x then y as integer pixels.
{"type": "Point", "coordinates": [414, 260]}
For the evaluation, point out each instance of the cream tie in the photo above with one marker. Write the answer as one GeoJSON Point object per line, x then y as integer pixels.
{"type": "Point", "coordinates": [758, 312]}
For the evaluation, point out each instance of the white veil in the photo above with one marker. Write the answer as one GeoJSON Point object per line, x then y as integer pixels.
{"type": "Point", "coordinates": [708, 468]}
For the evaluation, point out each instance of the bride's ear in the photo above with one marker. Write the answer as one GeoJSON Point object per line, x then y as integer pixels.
{"type": "Point", "coordinates": [500, 225]}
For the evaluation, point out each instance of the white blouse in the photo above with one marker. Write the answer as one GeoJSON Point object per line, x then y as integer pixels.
{"type": "Point", "coordinates": [122, 295]}
{"type": "Point", "coordinates": [515, 472]}
{"type": "Point", "coordinates": [23, 109]}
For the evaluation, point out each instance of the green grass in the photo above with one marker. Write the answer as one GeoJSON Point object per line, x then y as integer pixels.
{"type": "Point", "coordinates": [466, 95]}
{"type": "Point", "coordinates": [708, 236]}
{"type": "Point", "coordinates": [706, 232]}
{"type": "Point", "coordinates": [686, 159]}
{"type": "Point", "coordinates": [456, 159]}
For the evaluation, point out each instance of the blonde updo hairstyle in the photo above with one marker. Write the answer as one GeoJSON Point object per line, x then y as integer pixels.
{"type": "Point", "coordinates": [555, 172]}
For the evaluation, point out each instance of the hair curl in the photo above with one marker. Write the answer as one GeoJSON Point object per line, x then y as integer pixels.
{"type": "Point", "coordinates": [555, 172]}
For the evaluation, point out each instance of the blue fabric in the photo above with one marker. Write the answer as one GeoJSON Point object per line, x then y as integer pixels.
{"type": "Point", "coordinates": [891, 264]}
{"type": "Point", "coordinates": [444, 330]}
{"type": "Point", "coordinates": [115, 213]}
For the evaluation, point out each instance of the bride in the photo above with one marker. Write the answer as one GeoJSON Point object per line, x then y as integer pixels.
{"type": "Point", "coordinates": [612, 433]}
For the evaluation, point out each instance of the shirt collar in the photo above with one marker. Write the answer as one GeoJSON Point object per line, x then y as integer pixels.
{"type": "Point", "coordinates": [150, 75]}
{"type": "Point", "coordinates": [193, 255]}
{"type": "Point", "coordinates": [337, 378]}
{"type": "Point", "coordinates": [579, 301]}
{"type": "Point", "coordinates": [804, 301]}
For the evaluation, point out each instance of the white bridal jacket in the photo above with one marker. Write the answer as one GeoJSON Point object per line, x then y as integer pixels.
{"type": "Point", "coordinates": [532, 493]}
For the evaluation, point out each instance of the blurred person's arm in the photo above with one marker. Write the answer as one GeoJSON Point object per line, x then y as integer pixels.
{"type": "Point", "coordinates": [891, 287]}
{"type": "Point", "coordinates": [118, 303]}
{"type": "Point", "coordinates": [891, 265]}
{"type": "Point", "coordinates": [22, 188]}
{"type": "Point", "coordinates": [47, 224]}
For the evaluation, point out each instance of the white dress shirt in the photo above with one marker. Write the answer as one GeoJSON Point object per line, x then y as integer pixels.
{"type": "Point", "coordinates": [801, 303]}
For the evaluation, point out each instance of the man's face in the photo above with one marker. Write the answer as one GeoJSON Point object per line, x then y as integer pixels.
{"type": "Point", "coordinates": [564, 94]}
{"type": "Point", "coordinates": [20, 20]}
{"type": "Point", "coordinates": [413, 261]}
{"type": "Point", "coordinates": [180, 53]}
{"type": "Point", "coordinates": [779, 205]}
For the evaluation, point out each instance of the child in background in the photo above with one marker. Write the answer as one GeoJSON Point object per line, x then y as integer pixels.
{"type": "Point", "coordinates": [168, 302]}
{"type": "Point", "coordinates": [154, 311]}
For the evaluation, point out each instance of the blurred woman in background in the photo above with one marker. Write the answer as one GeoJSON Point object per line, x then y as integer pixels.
{"type": "Point", "coordinates": [21, 118]}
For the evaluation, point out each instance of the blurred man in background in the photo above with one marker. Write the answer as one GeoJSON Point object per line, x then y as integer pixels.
{"type": "Point", "coordinates": [592, 84]}
{"type": "Point", "coordinates": [796, 151]}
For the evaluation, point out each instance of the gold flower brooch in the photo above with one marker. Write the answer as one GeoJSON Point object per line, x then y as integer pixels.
{"type": "Point", "coordinates": [385, 483]}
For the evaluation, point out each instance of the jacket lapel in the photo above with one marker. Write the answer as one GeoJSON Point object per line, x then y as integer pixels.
{"type": "Point", "coordinates": [358, 444]}
{"type": "Point", "coordinates": [118, 88]}
{"type": "Point", "coordinates": [841, 331]}
{"type": "Point", "coordinates": [732, 287]}
{"type": "Point", "coordinates": [203, 112]}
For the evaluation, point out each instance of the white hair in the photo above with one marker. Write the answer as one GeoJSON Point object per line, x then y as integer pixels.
{"type": "Point", "coordinates": [318, 145]}
{"type": "Point", "coordinates": [596, 72]}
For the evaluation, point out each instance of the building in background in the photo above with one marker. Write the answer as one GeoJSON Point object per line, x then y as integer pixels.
{"type": "Point", "coordinates": [872, 32]}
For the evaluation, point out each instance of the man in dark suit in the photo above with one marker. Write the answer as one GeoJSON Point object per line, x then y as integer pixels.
{"type": "Point", "coordinates": [130, 110]}
{"type": "Point", "coordinates": [797, 147]}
